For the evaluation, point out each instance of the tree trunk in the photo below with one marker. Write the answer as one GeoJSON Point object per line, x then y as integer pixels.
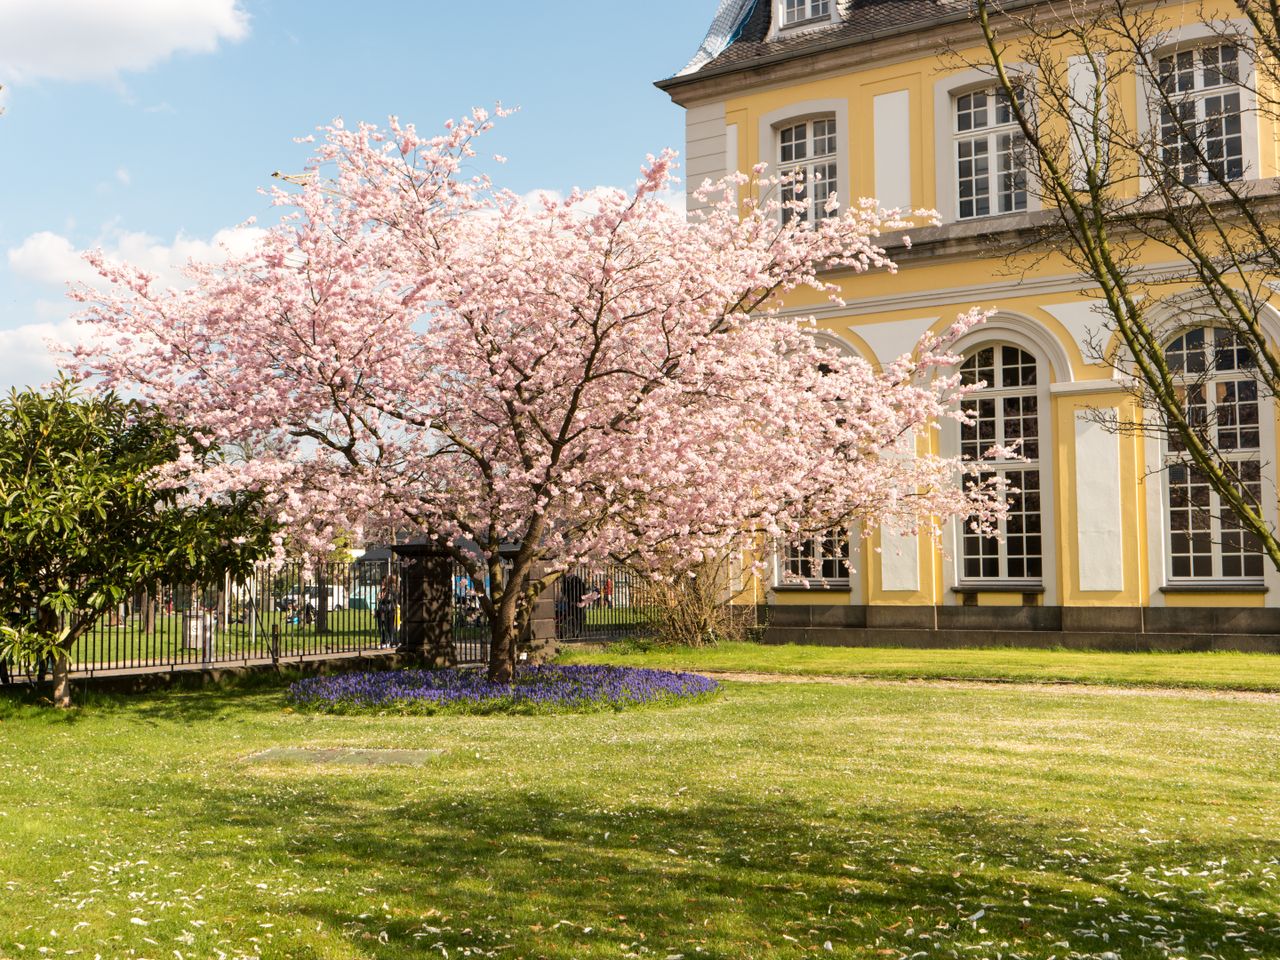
{"type": "Point", "coordinates": [502, 645]}
{"type": "Point", "coordinates": [62, 679]}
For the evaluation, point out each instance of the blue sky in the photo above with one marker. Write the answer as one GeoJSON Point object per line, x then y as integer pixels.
{"type": "Point", "coordinates": [147, 126]}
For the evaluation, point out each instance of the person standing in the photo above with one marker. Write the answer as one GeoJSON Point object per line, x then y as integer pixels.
{"type": "Point", "coordinates": [386, 611]}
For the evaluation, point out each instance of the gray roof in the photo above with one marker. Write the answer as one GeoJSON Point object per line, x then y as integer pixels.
{"type": "Point", "coordinates": [859, 20]}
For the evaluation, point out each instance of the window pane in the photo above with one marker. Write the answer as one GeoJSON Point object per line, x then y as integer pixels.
{"type": "Point", "coordinates": [1005, 410]}
{"type": "Point", "coordinates": [972, 178]}
{"type": "Point", "coordinates": [1011, 166]}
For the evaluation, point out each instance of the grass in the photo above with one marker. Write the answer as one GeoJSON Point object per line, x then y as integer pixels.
{"type": "Point", "coordinates": [126, 643]}
{"type": "Point", "coordinates": [887, 821]}
{"type": "Point", "coordinates": [1214, 671]}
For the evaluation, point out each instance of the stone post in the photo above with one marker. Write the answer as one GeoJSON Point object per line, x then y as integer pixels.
{"type": "Point", "coordinates": [426, 613]}
{"type": "Point", "coordinates": [539, 643]}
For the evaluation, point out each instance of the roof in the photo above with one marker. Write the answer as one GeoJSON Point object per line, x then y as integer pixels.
{"type": "Point", "coordinates": [859, 20]}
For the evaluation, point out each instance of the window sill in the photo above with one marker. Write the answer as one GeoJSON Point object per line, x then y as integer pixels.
{"type": "Point", "coordinates": [989, 217]}
{"type": "Point", "coordinates": [825, 586]}
{"type": "Point", "coordinates": [1251, 586]}
{"type": "Point", "coordinates": [784, 28]}
{"type": "Point", "coordinates": [1000, 586]}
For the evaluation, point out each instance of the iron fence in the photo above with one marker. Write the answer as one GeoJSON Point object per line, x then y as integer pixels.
{"type": "Point", "coordinates": [299, 612]}
{"type": "Point", "coordinates": [603, 603]}
{"type": "Point", "coordinates": [294, 612]}
{"type": "Point", "coordinates": [599, 603]}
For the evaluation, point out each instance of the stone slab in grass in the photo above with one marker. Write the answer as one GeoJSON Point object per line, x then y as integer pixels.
{"type": "Point", "coordinates": [321, 756]}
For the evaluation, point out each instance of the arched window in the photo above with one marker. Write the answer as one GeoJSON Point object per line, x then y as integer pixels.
{"type": "Point", "coordinates": [1005, 411]}
{"type": "Point", "coordinates": [1216, 378]}
{"type": "Point", "coordinates": [824, 560]}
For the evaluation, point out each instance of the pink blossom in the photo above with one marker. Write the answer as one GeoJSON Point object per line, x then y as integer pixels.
{"type": "Point", "coordinates": [413, 350]}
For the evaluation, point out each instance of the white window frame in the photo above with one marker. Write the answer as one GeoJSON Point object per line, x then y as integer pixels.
{"type": "Point", "coordinates": [945, 92]}
{"type": "Point", "coordinates": [1054, 373]}
{"type": "Point", "coordinates": [1189, 61]}
{"type": "Point", "coordinates": [990, 137]}
{"type": "Point", "coordinates": [1213, 530]}
{"type": "Point", "coordinates": [997, 393]}
{"type": "Point", "coordinates": [791, 14]}
{"type": "Point", "coordinates": [809, 147]}
{"type": "Point", "coordinates": [810, 573]}
{"type": "Point", "coordinates": [1194, 36]}
{"type": "Point", "coordinates": [771, 124]}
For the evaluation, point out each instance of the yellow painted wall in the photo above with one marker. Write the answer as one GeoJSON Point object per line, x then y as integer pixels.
{"type": "Point", "coordinates": [973, 277]}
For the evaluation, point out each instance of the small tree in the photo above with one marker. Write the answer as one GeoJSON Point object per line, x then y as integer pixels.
{"type": "Point", "coordinates": [1121, 190]}
{"type": "Point", "coordinates": [94, 510]}
{"type": "Point", "coordinates": [538, 386]}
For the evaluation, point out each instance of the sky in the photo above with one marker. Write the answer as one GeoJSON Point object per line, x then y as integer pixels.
{"type": "Point", "coordinates": [147, 127]}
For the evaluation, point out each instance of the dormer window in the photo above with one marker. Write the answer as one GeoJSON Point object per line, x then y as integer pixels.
{"type": "Point", "coordinates": [802, 11]}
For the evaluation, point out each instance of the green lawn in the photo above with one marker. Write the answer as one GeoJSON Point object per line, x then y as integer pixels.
{"type": "Point", "coordinates": [1230, 671]}
{"type": "Point", "coordinates": [886, 820]}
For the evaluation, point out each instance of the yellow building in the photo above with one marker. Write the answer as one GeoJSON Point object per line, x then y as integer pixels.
{"type": "Point", "coordinates": [859, 94]}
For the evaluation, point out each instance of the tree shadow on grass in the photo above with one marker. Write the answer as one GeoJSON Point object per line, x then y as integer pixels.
{"type": "Point", "coordinates": [188, 700]}
{"type": "Point", "coordinates": [730, 876]}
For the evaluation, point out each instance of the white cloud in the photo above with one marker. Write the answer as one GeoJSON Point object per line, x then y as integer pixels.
{"type": "Point", "coordinates": [52, 260]}
{"type": "Point", "coordinates": [26, 359]}
{"type": "Point", "coordinates": [98, 40]}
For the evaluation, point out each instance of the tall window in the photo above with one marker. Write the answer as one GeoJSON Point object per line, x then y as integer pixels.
{"type": "Point", "coordinates": [1201, 109]}
{"type": "Point", "coordinates": [991, 155]}
{"type": "Point", "coordinates": [823, 559]}
{"type": "Point", "coordinates": [807, 154]}
{"type": "Point", "coordinates": [798, 11]}
{"type": "Point", "coordinates": [1005, 411]}
{"type": "Point", "coordinates": [1206, 541]}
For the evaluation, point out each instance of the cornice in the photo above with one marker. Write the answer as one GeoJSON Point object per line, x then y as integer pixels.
{"type": "Point", "coordinates": [837, 55]}
{"type": "Point", "coordinates": [844, 54]}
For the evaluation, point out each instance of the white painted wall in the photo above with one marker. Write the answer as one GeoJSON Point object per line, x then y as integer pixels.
{"type": "Point", "coordinates": [892, 118]}
{"type": "Point", "coordinates": [705, 147]}
{"type": "Point", "coordinates": [899, 561]}
{"type": "Point", "coordinates": [1099, 525]}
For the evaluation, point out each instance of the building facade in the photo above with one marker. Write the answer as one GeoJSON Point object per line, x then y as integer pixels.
{"type": "Point", "coordinates": [860, 96]}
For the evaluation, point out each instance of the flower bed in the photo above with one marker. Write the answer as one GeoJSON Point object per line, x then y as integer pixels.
{"type": "Point", "coordinates": [541, 689]}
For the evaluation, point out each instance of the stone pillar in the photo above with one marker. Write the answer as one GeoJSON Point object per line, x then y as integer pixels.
{"type": "Point", "coordinates": [539, 644]}
{"type": "Point", "coordinates": [426, 613]}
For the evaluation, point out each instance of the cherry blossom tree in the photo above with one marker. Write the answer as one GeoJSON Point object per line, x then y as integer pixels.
{"type": "Point", "coordinates": [551, 383]}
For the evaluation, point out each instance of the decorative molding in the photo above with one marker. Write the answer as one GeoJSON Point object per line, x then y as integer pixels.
{"type": "Point", "coordinates": [1082, 388]}
{"type": "Point", "coordinates": [899, 562]}
{"type": "Point", "coordinates": [891, 144]}
{"type": "Point", "coordinates": [893, 338]}
{"type": "Point", "coordinates": [1100, 528]}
